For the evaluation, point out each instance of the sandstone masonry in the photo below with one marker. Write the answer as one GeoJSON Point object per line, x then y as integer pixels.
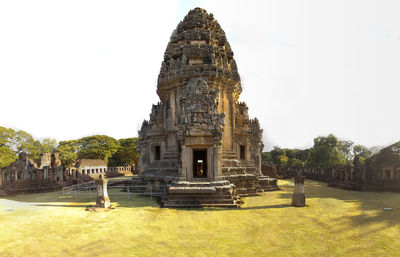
{"type": "Point", "coordinates": [200, 141]}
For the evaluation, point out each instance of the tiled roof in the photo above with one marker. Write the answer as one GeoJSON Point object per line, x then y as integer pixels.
{"type": "Point", "coordinates": [90, 162]}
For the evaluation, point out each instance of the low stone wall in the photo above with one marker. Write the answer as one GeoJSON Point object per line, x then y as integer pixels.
{"type": "Point", "coordinates": [121, 171]}
{"type": "Point", "coordinates": [345, 177]}
{"type": "Point", "coordinates": [31, 186]}
{"type": "Point", "coordinates": [383, 185]}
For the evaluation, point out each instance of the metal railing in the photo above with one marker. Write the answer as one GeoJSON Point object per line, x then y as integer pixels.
{"type": "Point", "coordinates": [89, 189]}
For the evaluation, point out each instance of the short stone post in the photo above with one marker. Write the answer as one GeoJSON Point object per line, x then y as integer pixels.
{"type": "Point", "coordinates": [156, 185]}
{"type": "Point", "coordinates": [299, 199]}
{"type": "Point", "coordinates": [103, 201]}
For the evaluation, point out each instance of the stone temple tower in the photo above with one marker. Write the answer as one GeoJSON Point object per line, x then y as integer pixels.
{"type": "Point", "coordinates": [199, 141]}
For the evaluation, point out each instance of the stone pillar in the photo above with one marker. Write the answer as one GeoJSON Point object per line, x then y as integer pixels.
{"type": "Point", "coordinates": [227, 135]}
{"type": "Point", "coordinates": [103, 201]}
{"type": "Point", "coordinates": [184, 161]}
{"type": "Point", "coordinates": [215, 165]}
{"type": "Point", "coordinates": [299, 199]}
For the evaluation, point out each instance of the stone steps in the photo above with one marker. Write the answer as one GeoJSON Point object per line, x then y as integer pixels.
{"type": "Point", "coordinates": [268, 184]}
{"type": "Point", "coordinates": [201, 194]}
{"type": "Point", "coordinates": [183, 200]}
{"type": "Point", "coordinates": [194, 205]}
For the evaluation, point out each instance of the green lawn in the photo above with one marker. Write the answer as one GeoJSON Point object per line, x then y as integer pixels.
{"type": "Point", "coordinates": [335, 223]}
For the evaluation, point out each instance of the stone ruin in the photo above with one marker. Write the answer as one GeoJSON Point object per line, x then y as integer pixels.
{"type": "Point", "coordinates": [200, 141]}
{"type": "Point", "coordinates": [26, 176]}
{"type": "Point", "coordinates": [380, 172]}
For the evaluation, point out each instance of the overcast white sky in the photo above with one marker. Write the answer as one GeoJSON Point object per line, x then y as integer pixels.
{"type": "Point", "coordinates": [74, 68]}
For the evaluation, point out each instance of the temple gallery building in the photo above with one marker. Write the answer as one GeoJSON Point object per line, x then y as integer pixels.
{"type": "Point", "coordinates": [199, 140]}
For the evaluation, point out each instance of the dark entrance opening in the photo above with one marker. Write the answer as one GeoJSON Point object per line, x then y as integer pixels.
{"type": "Point", "coordinates": [157, 154]}
{"type": "Point", "coordinates": [200, 163]}
{"type": "Point", "coordinates": [242, 152]}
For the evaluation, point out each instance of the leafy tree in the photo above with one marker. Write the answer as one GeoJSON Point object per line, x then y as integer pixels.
{"type": "Point", "coordinates": [361, 153]}
{"type": "Point", "coordinates": [36, 150]}
{"type": "Point", "coordinates": [24, 142]}
{"type": "Point", "coordinates": [97, 147]}
{"type": "Point", "coordinates": [266, 156]}
{"type": "Point", "coordinates": [283, 160]}
{"type": "Point", "coordinates": [294, 162]}
{"type": "Point", "coordinates": [276, 153]}
{"type": "Point", "coordinates": [346, 149]}
{"type": "Point", "coordinates": [302, 154]}
{"type": "Point", "coordinates": [126, 154]}
{"type": "Point", "coordinates": [68, 152]}
{"type": "Point", "coordinates": [7, 155]}
{"type": "Point", "coordinates": [49, 145]}
{"type": "Point", "coordinates": [326, 152]}
{"type": "Point", "coordinates": [6, 136]}
{"type": "Point", "coordinates": [283, 157]}
{"type": "Point", "coordinates": [291, 153]}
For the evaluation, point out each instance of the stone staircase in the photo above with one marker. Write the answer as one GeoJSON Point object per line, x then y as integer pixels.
{"type": "Point", "coordinates": [201, 194]}
{"type": "Point", "coordinates": [244, 176]}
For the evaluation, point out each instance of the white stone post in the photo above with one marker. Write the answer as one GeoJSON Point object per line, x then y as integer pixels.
{"type": "Point", "coordinates": [299, 199]}
{"type": "Point", "coordinates": [103, 201]}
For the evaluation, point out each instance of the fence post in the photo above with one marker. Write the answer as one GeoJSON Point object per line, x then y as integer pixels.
{"type": "Point", "coordinates": [75, 194]}
{"type": "Point", "coordinates": [128, 192]}
{"type": "Point", "coordinates": [151, 192]}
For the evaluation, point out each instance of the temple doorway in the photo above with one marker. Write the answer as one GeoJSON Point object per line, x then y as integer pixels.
{"type": "Point", "coordinates": [200, 163]}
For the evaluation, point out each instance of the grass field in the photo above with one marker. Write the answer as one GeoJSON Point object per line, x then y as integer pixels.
{"type": "Point", "coordinates": [335, 223]}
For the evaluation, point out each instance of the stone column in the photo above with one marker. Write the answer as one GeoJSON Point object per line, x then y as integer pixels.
{"type": "Point", "coordinates": [184, 160]}
{"type": "Point", "coordinates": [103, 201]}
{"type": "Point", "coordinates": [299, 199]}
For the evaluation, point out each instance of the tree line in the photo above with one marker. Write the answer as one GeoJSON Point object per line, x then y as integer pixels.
{"type": "Point", "coordinates": [327, 151]}
{"type": "Point", "coordinates": [114, 152]}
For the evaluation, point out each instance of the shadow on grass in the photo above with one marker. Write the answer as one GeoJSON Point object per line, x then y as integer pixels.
{"type": "Point", "coordinates": [82, 200]}
{"type": "Point", "coordinates": [370, 204]}
{"type": "Point", "coordinates": [276, 206]}
{"type": "Point", "coordinates": [62, 205]}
